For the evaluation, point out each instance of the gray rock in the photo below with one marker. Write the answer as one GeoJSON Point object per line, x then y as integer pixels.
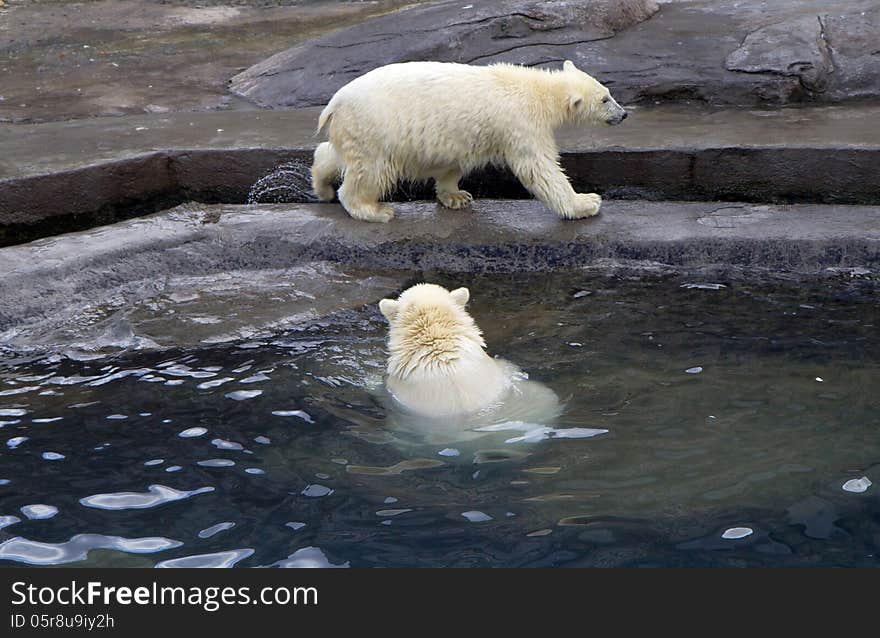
{"type": "Point", "coordinates": [293, 264]}
{"type": "Point", "coordinates": [793, 48]}
{"type": "Point", "coordinates": [308, 74]}
{"type": "Point", "coordinates": [828, 56]}
{"type": "Point", "coordinates": [746, 53]}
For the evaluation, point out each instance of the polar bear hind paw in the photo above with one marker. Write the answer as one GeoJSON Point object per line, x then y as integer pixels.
{"type": "Point", "coordinates": [323, 191]}
{"type": "Point", "coordinates": [455, 200]}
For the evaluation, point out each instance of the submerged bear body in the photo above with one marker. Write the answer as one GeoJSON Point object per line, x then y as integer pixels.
{"type": "Point", "coordinates": [438, 365]}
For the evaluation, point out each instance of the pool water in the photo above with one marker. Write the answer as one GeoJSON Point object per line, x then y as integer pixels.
{"type": "Point", "coordinates": [742, 418]}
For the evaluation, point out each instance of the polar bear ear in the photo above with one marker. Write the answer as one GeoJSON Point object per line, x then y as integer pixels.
{"type": "Point", "coordinates": [460, 296]}
{"type": "Point", "coordinates": [389, 308]}
{"type": "Point", "coordinates": [568, 65]}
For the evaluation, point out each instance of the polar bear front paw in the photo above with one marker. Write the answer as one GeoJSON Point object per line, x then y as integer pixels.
{"type": "Point", "coordinates": [383, 214]}
{"type": "Point", "coordinates": [586, 205]}
{"type": "Point", "coordinates": [455, 199]}
{"type": "Point", "coordinates": [380, 213]}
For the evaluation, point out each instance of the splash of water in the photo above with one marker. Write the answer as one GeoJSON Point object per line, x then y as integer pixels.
{"type": "Point", "coordinates": [290, 182]}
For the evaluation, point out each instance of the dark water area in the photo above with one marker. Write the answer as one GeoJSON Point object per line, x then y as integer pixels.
{"type": "Point", "coordinates": [743, 429]}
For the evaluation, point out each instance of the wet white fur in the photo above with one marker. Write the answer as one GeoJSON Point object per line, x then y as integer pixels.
{"type": "Point", "coordinates": [420, 120]}
{"type": "Point", "coordinates": [437, 361]}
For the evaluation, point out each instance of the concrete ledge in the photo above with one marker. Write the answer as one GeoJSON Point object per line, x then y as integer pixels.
{"type": "Point", "coordinates": [100, 171]}
{"type": "Point", "coordinates": [132, 259]}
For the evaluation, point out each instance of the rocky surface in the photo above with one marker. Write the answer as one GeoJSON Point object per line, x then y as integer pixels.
{"type": "Point", "coordinates": [171, 275]}
{"type": "Point", "coordinates": [454, 31]}
{"type": "Point", "coordinates": [64, 176]}
{"type": "Point", "coordinates": [748, 53]}
{"type": "Point", "coordinates": [62, 59]}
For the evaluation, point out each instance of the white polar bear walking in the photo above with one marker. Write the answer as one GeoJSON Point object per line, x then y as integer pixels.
{"type": "Point", "coordinates": [420, 120]}
{"type": "Point", "coordinates": [438, 365]}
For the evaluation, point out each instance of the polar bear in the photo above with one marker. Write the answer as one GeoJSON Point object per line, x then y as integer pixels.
{"type": "Point", "coordinates": [438, 365]}
{"type": "Point", "coordinates": [420, 120]}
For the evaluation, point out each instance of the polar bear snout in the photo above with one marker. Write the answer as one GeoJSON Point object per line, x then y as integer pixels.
{"type": "Point", "coordinates": [617, 119]}
{"type": "Point", "coordinates": [615, 114]}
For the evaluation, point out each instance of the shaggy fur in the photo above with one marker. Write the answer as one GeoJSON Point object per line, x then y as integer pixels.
{"type": "Point", "coordinates": [437, 364]}
{"type": "Point", "coordinates": [420, 120]}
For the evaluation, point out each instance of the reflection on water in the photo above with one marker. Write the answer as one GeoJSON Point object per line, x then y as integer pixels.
{"type": "Point", "coordinates": [217, 559]}
{"type": "Point", "coordinates": [155, 495]}
{"type": "Point", "coordinates": [77, 548]}
{"type": "Point", "coordinates": [699, 423]}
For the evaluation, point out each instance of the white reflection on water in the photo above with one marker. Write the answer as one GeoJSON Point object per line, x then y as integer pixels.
{"type": "Point", "coordinates": [308, 557]}
{"type": "Point", "coordinates": [316, 491]}
{"type": "Point", "coordinates": [218, 559]}
{"type": "Point", "coordinates": [6, 521]}
{"type": "Point", "coordinates": [157, 495]}
{"type": "Point", "coordinates": [475, 516]}
{"type": "Point", "coordinates": [533, 432]}
{"type": "Point", "coordinates": [39, 511]}
{"type": "Point", "coordinates": [858, 485]}
{"type": "Point", "coordinates": [192, 432]}
{"type": "Point", "coordinates": [216, 463]}
{"type": "Point", "coordinates": [242, 395]}
{"type": "Point", "coordinates": [77, 548]}
{"type": "Point", "coordinates": [223, 444]}
{"type": "Point", "coordinates": [297, 413]}
{"type": "Point", "coordinates": [208, 532]}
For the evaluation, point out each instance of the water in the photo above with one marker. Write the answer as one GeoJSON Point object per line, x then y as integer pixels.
{"type": "Point", "coordinates": [290, 182]}
{"type": "Point", "coordinates": [742, 429]}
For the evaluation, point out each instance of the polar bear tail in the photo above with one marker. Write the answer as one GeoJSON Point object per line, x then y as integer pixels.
{"type": "Point", "coordinates": [325, 117]}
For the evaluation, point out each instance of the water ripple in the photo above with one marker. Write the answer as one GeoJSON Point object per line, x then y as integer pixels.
{"type": "Point", "coordinates": [192, 432]}
{"type": "Point", "coordinates": [22, 550]}
{"type": "Point", "coordinates": [316, 490]}
{"type": "Point", "coordinates": [223, 444]}
{"type": "Point", "coordinates": [297, 413]}
{"type": "Point", "coordinates": [308, 557]}
{"type": "Point", "coordinates": [23, 390]}
{"type": "Point", "coordinates": [858, 485]}
{"type": "Point", "coordinates": [241, 395]}
{"type": "Point", "coordinates": [6, 521]}
{"type": "Point", "coordinates": [216, 463]}
{"type": "Point", "coordinates": [157, 495]}
{"type": "Point", "coordinates": [208, 532]}
{"type": "Point", "coordinates": [534, 433]}
{"type": "Point", "coordinates": [218, 559]}
{"type": "Point", "coordinates": [475, 516]}
{"type": "Point", "coordinates": [15, 442]}
{"type": "Point", "coordinates": [39, 511]}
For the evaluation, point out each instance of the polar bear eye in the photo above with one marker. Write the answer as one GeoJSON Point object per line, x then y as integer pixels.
{"type": "Point", "coordinates": [605, 100]}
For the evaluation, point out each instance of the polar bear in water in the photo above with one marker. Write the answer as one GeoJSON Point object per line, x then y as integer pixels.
{"type": "Point", "coordinates": [417, 121]}
{"type": "Point", "coordinates": [440, 377]}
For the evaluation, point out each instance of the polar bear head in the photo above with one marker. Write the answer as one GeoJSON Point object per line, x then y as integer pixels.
{"type": "Point", "coordinates": [588, 100]}
{"type": "Point", "coordinates": [429, 328]}
{"type": "Point", "coordinates": [422, 296]}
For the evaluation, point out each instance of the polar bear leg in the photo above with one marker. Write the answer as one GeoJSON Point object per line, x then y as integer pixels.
{"type": "Point", "coordinates": [326, 169]}
{"type": "Point", "coordinates": [448, 193]}
{"type": "Point", "coordinates": [360, 193]}
{"type": "Point", "coordinates": [543, 177]}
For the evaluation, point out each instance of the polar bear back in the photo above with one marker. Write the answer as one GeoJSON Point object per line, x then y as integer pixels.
{"type": "Point", "coordinates": [429, 115]}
